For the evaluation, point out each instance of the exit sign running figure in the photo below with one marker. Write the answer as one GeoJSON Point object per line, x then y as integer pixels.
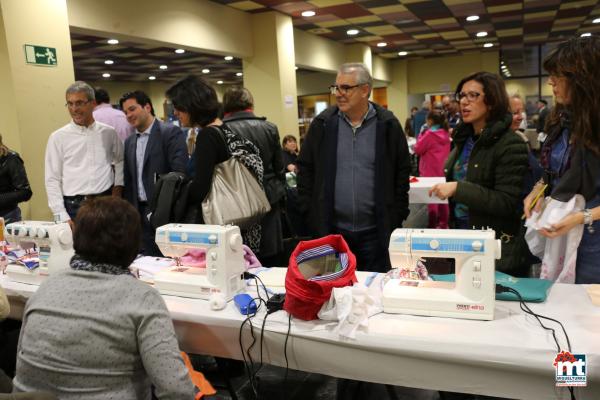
{"type": "Point", "coordinates": [40, 55]}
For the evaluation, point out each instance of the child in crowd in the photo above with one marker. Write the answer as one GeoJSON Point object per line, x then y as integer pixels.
{"type": "Point", "coordinates": [433, 147]}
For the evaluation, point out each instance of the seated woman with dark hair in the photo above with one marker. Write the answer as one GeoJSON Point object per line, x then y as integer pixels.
{"type": "Point", "coordinates": [94, 331]}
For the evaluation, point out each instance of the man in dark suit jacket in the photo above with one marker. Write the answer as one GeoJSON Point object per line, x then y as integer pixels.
{"type": "Point", "coordinates": [155, 149]}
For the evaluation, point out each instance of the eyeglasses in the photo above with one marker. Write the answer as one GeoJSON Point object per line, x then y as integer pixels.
{"type": "Point", "coordinates": [471, 96]}
{"type": "Point", "coordinates": [76, 104]}
{"type": "Point", "coordinates": [343, 89]}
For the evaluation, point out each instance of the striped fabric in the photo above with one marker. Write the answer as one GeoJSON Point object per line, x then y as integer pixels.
{"type": "Point", "coordinates": [322, 251]}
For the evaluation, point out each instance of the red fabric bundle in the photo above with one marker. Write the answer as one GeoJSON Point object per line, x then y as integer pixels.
{"type": "Point", "coordinates": [304, 298]}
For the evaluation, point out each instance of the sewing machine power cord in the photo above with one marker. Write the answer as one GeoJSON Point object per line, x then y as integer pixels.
{"type": "Point", "coordinates": [538, 317]}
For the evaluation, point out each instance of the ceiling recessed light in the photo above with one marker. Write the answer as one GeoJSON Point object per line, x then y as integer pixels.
{"type": "Point", "coordinates": [481, 34]}
{"type": "Point", "coordinates": [163, 67]}
{"type": "Point", "coordinates": [180, 51]}
{"type": "Point", "coordinates": [587, 34]}
{"type": "Point", "coordinates": [381, 44]}
{"type": "Point", "coordinates": [352, 32]}
{"type": "Point", "coordinates": [152, 77]}
{"type": "Point", "coordinates": [228, 58]}
{"type": "Point", "coordinates": [112, 41]}
{"type": "Point", "coordinates": [403, 53]}
{"type": "Point", "coordinates": [219, 82]}
{"type": "Point", "coordinates": [106, 75]}
{"type": "Point", "coordinates": [238, 74]}
{"type": "Point", "coordinates": [596, 21]}
{"type": "Point", "coordinates": [472, 18]}
{"type": "Point", "coordinates": [488, 45]}
{"type": "Point", "coordinates": [205, 71]}
{"type": "Point", "coordinates": [309, 13]}
{"type": "Point", "coordinates": [109, 62]}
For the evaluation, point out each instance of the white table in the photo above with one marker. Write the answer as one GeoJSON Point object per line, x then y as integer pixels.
{"type": "Point", "coordinates": [510, 357]}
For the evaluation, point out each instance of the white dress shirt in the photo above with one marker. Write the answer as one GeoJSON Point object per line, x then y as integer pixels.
{"type": "Point", "coordinates": [79, 161]}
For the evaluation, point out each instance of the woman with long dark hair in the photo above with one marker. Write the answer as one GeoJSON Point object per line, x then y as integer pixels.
{"type": "Point", "coordinates": [571, 153]}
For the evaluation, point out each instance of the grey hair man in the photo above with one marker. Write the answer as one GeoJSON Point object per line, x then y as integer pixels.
{"type": "Point", "coordinates": [353, 170]}
{"type": "Point", "coordinates": [83, 158]}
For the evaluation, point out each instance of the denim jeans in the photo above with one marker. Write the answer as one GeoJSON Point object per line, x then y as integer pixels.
{"type": "Point", "coordinates": [587, 269]}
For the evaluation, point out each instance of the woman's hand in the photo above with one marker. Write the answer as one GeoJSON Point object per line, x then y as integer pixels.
{"type": "Point", "coordinates": [563, 226]}
{"type": "Point", "coordinates": [530, 198]}
{"type": "Point", "coordinates": [443, 191]}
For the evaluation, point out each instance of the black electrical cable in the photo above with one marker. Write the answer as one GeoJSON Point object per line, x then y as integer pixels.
{"type": "Point", "coordinates": [287, 336]}
{"type": "Point", "coordinates": [248, 362]}
{"type": "Point", "coordinates": [523, 305]}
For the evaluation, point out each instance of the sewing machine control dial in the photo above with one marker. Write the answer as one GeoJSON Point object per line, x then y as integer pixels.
{"type": "Point", "coordinates": [212, 239]}
{"type": "Point", "coordinates": [23, 232]}
{"type": "Point", "coordinates": [184, 236]}
{"type": "Point", "coordinates": [477, 245]}
{"type": "Point", "coordinates": [434, 244]}
{"type": "Point", "coordinates": [42, 233]}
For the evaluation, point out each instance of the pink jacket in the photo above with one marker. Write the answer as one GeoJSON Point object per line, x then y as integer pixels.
{"type": "Point", "coordinates": [433, 148]}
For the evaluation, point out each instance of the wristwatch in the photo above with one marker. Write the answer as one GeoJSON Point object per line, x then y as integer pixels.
{"type": "Point", "coordinates": [588, 220]}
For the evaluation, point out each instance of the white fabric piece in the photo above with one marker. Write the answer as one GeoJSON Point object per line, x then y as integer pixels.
{"type": "Point", "coordinates": [351, 306]}
{"type": "Point", "coordinates": [559, 254]}
{"type": "Point", "coordinates": [79, 161]}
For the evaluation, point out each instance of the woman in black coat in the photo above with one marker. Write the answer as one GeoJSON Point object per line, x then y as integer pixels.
{"type": "Point", "coordinates": [196, 105]}
{"type": "Point", "coordinates": [14, 185]}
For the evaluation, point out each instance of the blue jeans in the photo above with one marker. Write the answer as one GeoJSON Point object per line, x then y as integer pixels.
{"type": "Point", "coordinates": [12, 216]}
{"type": "Point", "coordinates": [587, 269]}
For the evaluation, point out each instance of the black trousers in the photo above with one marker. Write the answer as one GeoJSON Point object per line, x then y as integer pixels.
{"type": "Point", "coordinates": [371, 254]}
{"type": "Point", "coordinates": [149, 247]}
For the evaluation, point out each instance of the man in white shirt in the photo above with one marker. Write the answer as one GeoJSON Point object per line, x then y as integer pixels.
{"type": "Point", "coordinates": [83, 158]}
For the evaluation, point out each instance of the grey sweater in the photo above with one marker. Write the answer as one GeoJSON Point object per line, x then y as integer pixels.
{"type": "Point", "coordinates": [99, 336]}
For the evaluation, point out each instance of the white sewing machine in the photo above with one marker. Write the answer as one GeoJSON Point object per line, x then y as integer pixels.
{"type": "Point", "coordinates": [54, 243]}
{"type": "Point", "coordinates": [224, 260]}
{"type": "Point", "coordinates": [473, 293]}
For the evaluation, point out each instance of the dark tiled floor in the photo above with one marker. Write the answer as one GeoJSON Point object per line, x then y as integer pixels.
{"type": "Point", "coordinates": [272, 385]}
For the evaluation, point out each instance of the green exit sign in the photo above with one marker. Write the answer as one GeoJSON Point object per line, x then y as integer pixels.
{"type": "Point", "coordinates": [40, 55]}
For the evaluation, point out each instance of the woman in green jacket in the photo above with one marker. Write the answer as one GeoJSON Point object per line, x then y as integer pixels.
{"type": "Point", "coordinates": [486, 168]}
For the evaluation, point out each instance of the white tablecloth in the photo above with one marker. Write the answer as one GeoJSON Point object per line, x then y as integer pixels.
{"type": "Point", "coordinates": [510, 357]}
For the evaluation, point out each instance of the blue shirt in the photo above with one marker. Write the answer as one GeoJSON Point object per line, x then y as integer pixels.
{"type": "Point", "coordinates": [140, 151]}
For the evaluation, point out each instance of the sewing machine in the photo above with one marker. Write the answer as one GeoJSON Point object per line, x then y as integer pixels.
{"type": "Point", "coordinates": [54, 243]}
{"type": "Point", "coordinates": [224, 260]}
{"type": "Point", "coordinates": [471, 296]}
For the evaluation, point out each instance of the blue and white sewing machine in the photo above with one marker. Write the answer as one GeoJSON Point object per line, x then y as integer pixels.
{"type": "Point", "coordinates": [224, 260]}
{"type": "Point", "coordinates": [54, 243]}
{"type": "Point", "coordinates": [471, 296]}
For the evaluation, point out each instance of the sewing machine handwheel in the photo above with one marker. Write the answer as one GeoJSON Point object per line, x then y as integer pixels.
{"type": "Point", "coordinates": [235, 241]}
{"type": "Point", "coordinates": [65, 236]}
